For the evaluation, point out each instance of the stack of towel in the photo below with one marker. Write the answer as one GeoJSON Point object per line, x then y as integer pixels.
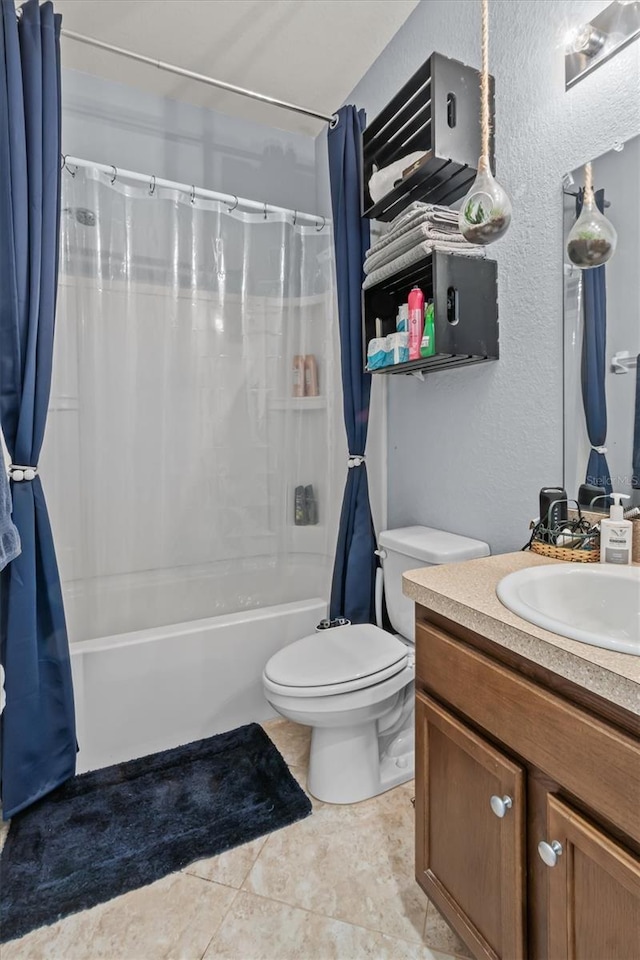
{"type": "Point", "coordinates": [414, 234]}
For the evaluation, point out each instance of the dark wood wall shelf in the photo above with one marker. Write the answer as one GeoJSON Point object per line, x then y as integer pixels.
{"type": "Point", "coordinates": [437, 111]}
{"type": "Point", "coordinates": [465, 295]}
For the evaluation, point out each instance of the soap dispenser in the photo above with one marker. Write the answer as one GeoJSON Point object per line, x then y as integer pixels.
{"type": "Point", "coordinates": [616, 534]}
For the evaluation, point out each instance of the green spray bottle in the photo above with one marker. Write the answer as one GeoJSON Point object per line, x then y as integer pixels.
{"type": "Point", "coordinates": [428, 343]}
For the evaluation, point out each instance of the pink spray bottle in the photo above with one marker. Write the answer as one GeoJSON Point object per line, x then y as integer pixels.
{"type": "Point", "coordinates": [416, 322]}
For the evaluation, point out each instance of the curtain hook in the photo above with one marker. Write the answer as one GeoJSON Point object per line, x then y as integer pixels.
{"type": "Point", "coordinates": [230, 209]}
{"type": "Point", "coordinates": [152, 185]}
{"type": "Point", "coordinates": [324, 223]}
{"type": "Point", "coordinates": [193, 193]}
{"type": "Point", "coordinates": [265, 211]}
{"type": "Point", "coordinates": [115, 173]}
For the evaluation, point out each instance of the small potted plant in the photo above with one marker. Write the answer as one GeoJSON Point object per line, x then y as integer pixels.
{"type": "Point", "coordinates": [483, 220]}
{"type": "Point", "coordinates": [592, 240]}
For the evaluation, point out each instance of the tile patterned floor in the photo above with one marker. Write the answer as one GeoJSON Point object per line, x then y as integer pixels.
{"type": "Point", "coordinates": [336, 886]}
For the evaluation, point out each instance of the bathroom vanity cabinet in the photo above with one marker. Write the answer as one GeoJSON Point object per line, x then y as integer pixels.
{"type": "Point", "coordinates": [527, 802]}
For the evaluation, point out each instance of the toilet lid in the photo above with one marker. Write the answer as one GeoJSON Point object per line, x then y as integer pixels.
{"type": "Point", "coordinates": [339, 655]}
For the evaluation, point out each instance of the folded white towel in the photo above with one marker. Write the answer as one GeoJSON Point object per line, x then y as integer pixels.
{"type": "Point", "coordinates": [420, 207]}
{"type": "Point", "coordinates": [419, 252]}
{"type": "Point", "coordinates": [383, 181]}
{"type": "Point", "coordinates": [407, 240]}
{"type": "Point", "coordinates": [441, 217]}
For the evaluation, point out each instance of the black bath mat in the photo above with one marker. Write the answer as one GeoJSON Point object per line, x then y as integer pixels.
{"type": "Point", "coordinates": [112, 830]}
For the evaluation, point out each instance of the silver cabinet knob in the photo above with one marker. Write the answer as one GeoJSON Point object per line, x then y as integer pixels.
{"type": "Point", "coordinates": [500, 805]}
{"type": "Point", "coordinates": [549, 852]}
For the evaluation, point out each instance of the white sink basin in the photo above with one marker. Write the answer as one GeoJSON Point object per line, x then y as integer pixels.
{"type": "Point", "coordinates": [598, 604]}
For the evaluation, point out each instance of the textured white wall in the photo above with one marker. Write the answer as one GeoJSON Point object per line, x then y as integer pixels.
{"type": "Point", "coordinates": [469, 449]}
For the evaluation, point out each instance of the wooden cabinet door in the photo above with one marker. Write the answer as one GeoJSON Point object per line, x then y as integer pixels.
{"type": "Point", "coordinates": [469, 860]}
{"type": "Point", "coordinates": [594, 891]}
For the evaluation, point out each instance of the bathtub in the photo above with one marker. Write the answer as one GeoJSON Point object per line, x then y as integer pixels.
{"type": "Point", "coordinates": [151, 689]}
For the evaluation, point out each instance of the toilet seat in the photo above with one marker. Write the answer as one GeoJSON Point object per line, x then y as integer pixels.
{"type": "Point", "coordinates": [338, 661]}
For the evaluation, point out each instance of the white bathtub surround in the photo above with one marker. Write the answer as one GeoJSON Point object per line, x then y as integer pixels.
{"type": "Point", "coordinates": [149, 690]}
{"type": "Point", "coordinates": [173, 450]}
{"type": "Point", "coordinates": [126, 603]}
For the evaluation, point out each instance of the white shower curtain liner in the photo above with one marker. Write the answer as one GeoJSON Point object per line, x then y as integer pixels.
{"type": "Point", "coordinates": [174, 446]}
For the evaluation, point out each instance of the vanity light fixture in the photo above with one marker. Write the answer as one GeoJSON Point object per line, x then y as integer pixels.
{"type": "Point", "coordinates": [592, 44]}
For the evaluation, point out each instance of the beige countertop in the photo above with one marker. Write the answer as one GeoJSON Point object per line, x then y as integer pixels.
{"type": "Point", "coordinates": [466, 594]}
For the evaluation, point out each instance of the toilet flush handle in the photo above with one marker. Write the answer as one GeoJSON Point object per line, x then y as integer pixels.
{"type": "Point", "coordinates": [381, 553]}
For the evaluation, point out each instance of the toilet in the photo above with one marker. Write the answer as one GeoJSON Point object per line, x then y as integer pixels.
{"type": "Point", "coordinates": [354, 685]}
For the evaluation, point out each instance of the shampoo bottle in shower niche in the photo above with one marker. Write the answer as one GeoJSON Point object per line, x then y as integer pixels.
{"type": "Point", "coordinates": [310, 506]}
{"type": "Point", "coordinates": [299, 514]}
{"type": "Point", "coordinates": [416, 322]}
{"type": "Point", "coordinates": [297, 371]}
{"type": "Point", "coordinates": [310, 376]}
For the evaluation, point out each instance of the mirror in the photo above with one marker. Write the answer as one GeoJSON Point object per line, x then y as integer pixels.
{"type": "Point", "coordinates": [593, 322]}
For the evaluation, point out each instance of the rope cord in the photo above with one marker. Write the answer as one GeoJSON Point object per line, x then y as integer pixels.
{"type": "Point", "coordinates": [588, 180]}
{"type": "Point", "coordinates": [485, 121]}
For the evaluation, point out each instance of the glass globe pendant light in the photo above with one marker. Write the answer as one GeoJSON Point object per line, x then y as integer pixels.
{"type": "Point", "coordinates": [485, 213]}
{"type": "Point", "coordinates": [592, 239]}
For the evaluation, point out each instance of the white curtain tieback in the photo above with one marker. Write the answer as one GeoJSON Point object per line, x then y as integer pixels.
{"type": "Point", "coordinates": [355, 461]}
{"type": "Point", "coordinates": [602, 450]}
{"type": "Point", "coordinates": [18, 473]}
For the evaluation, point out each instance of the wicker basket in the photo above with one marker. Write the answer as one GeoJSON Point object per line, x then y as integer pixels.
{"type": "Point", "coordinates": [635, 543]}
{"type": "Point", "coordinates": [565, 553]}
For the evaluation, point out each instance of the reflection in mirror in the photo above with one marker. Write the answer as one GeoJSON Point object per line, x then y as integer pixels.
{"type": "Point", "coordinates": [602, 337]}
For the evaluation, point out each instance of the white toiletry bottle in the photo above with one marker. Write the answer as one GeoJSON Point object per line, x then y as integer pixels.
{"type": "Point", "coordinates": [616, 533]}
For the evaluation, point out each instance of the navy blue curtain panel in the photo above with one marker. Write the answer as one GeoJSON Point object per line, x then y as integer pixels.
{"type": "Point", "coordinates": [594, 364]}
{"type": "Point", "coordinates": [38, 723]}
{"type": "Point", "coordinates": [353, 585]}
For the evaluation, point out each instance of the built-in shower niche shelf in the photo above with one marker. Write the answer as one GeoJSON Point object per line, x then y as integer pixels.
{"type": "Point", "coordinates": [465, 295]}
{"type": "Point", "coordinates": [298, 403]}
{"type": "Point", "coordinates": [436, 113]}
{"type": "Point", "coordinates": [311, 538]}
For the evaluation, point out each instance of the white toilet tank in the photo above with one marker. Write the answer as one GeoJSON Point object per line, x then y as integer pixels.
{"type": "Point", "coordinates": [410, 547]}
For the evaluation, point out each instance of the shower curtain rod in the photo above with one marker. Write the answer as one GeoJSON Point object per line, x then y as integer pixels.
{"type": "Point", "coordinates": [195, 192]}
{"type": "Point", "coordinates": [200, 77]}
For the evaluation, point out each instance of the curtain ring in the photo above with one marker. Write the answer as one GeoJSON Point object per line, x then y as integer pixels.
{"type": "Point", "coordinates": [152, 185]}
{"type": "Point", "coordinates": [115, 174]}
{"type": "Point", "coordinates": [66, 167]}
{"type": "Point", "coordinates": [230, 209]}
{"type": "Point", "coordinates": [335, 120]}
{"type": "Point", "coordinates": [324, 223]}
{"type": "Point", "coordinates": [265, 211]}
{"type": "Point", "coordinates": [193, 193]}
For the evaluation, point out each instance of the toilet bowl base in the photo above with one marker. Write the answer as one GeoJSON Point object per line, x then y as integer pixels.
{"type": "Point", "coordinates": [345, 765]}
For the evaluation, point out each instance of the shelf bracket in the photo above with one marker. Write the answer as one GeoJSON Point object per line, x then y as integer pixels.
{"type": "Point", "coordinates": [624, 361]}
